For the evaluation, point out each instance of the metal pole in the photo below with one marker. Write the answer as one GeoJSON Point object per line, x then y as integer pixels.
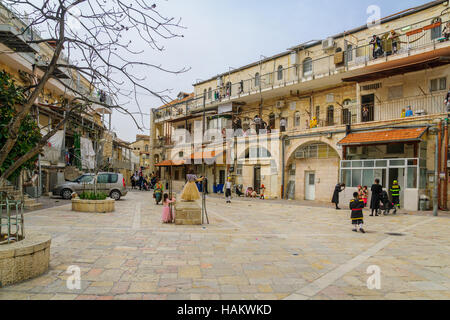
{"type": "Point", "coordinates": [436, 179]}
{"type": "Point", "coordinates": [39, 163]}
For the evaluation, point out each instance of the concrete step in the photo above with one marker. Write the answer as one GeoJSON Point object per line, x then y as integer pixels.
{"type": "Point", "coordinates": [33, 206]}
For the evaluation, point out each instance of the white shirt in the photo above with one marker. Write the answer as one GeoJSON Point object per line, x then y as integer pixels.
{"type": "Point", "coordinates": [228, 185]}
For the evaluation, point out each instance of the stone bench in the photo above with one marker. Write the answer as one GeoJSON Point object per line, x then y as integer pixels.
{"type": "Point", "coordinates": [188, 213]}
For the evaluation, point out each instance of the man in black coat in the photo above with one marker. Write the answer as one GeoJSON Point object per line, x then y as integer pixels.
{"type": "Point", "coordinates": [377, 190]}
{"type": "Point", "coordinates": [338, 189]}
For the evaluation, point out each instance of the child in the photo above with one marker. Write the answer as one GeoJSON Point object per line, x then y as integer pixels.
{"type": "Point", "coordinates": [357, 205]}
{"type": "Point", "coordinates": [263, 188]}
{"type": "Point", "coordinates": [365, 195]}
{"type": "Point", "coordinates": [166, 214]}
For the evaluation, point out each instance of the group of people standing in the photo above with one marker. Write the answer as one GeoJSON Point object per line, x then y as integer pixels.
{"type": "Point", "coordinates": [379, 200]}
{"type": "Point", "coordinates": [141, 182]}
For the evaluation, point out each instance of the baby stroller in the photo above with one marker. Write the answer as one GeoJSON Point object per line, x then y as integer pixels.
{"type": "Point", "coordinates": [387, 204]}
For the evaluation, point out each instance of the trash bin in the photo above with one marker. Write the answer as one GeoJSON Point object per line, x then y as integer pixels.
{"type": "Point", "coordinates": [424, 203]}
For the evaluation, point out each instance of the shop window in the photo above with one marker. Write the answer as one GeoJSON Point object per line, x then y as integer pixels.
{"type": "Point", "coordinates": [307, 67]}
{"type": "Point", "coordinates": [438, 84]}
{"type": "Point", "coordinates": [412, 178]}
{"type": "Point", "coordinates": [280, 73]}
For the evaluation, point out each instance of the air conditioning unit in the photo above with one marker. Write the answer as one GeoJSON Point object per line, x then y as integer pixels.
{"type": "Point", "coordinates": [280, 104]}
{"type": "Point", "coordinates": [300, 154]}
{"type": "Point", "coordinates": [328, 44]}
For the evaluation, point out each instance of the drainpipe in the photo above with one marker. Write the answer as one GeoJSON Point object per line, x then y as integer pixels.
{"type": "Point", "coordinates": [439, 159]}
{"type": "Point", "coordinates": [436, 178]}
{"type": "Point", "coordinates": [283, 165]}
{"type": "Point", "coordinates": [445, 169]}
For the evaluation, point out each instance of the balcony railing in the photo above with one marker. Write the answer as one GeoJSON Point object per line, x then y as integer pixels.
{"type": "Point", "coordinates": [410, 38]}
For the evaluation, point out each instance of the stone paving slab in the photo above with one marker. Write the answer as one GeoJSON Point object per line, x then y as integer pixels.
{"type": "Point", "coordinates": [252, 250]}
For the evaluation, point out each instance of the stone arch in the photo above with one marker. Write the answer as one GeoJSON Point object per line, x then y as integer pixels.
{"type": "Point", "coordinates": [325, 170]}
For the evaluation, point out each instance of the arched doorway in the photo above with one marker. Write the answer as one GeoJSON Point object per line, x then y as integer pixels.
{"type": "Point", "coordinates": [312, 171]}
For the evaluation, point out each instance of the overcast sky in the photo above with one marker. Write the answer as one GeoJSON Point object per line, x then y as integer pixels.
{"type": "Point", "coordinates": [233, 33]}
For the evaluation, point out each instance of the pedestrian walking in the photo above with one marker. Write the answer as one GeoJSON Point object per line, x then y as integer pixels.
{"type": "Point", "coordinates": [263, 189]}
{"type": "Point", "coordinates": [227, 186]}
{"type": "Point", "coordinates": [357, 216]}
{"type": "Point", "coordinates": [377, 191]}
{"type": "Point", "coordinates": [338, 189]}
{"type": "Point", "coordinates": [395, 194]}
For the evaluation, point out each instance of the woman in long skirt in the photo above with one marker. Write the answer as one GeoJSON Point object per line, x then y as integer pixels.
{"type": "Point", "coordinates": [190, 191]}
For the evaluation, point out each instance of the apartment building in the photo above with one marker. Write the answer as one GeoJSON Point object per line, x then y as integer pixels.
{"type": "Point", "coordinates": [78, 146]}
{"type": "Point", "coordinates": [141, 149]}
{"type": "Point", "coordinates": [338, 109]}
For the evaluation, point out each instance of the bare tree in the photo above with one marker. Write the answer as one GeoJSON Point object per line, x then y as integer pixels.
{"type": "Point", "coordinates": [97, 39]}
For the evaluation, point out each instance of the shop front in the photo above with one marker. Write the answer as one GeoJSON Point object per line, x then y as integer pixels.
{"type": "Point", "coordinates": [395, 155]}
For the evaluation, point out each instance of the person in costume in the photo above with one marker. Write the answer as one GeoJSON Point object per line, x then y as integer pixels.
{"type": "Point", "coordinates": [357, 217]}
{"type": "Point", "coordinates": [190, 191]}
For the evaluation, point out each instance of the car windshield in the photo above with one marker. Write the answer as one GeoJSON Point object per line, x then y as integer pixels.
{"type": "Point", "coordinates": [84, 179]}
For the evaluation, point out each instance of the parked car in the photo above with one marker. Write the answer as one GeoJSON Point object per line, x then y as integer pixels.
{"type": "Point", "coordinates": [113, 184]}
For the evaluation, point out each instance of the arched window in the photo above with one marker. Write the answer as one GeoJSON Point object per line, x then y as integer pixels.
{"type": "Point", "coordinates": [209, 93]}
{"type": "Point", "coordinates": [280, 73]}
{"type": "Point", "coordinates": [330, 116]}
{"type": "Point", "coordinates": [272, 121]}
{"type": "Point", "coordinates": [257, 79]}
{"type": "Point", "coordinates": [146, 148]}
{"type": "Point", "coordinates": [297, 119]}
{"type": "Point", "coordinates": [228, 88]}
{"type": "Point", "coordinates": [346, 113]}
{"type": "Point", "coordinates": [307, 66]}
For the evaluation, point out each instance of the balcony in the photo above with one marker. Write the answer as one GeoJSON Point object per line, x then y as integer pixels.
{"type": "Point", "coordinates": [414, 39]}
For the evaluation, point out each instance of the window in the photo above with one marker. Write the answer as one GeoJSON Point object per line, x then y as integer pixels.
{"type": "Point", "coordinates": [228, 88]}
{"type": "Point", "coordinates": [349, 53]}
{"type": "Point", "coordinates": [280, 73]}
{"type": "Point", "coordinates": [146, 148]}
{"type": "Point", "coordinates": [103, 178]}
{"type": "Point", "coordinates": [395, 92]}
{"type": "Point", "coordinates": [317, 112]}
{"type": "Point", "coordinates": [113, 178]}
{"type": "Point", "coordinates": [307, 66]}
{"type": "Point", "coordinates": [257, 79]}
{"type": "Point", "coordinates": [438, 84]}
{"type": "Point", "coordinates": [436, 32]}
{"type": "Point", "coordinates": [272, 121]}
{"type": "Point", "coordinates": [297, 119]}
{"type": "Point", "coordinates": [395, 148]}
{"type": "Point", "coordinates": [86, 179]}
{"type": "Point", "coordinates": [209, 93]}
{"type": "Point", "coordinates": [330, 116]}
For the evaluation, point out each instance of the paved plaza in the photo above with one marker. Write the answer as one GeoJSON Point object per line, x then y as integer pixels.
{"type": "Point", "coordinates": [252, 249]}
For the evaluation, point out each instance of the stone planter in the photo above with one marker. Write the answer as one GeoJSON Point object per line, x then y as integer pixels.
{"type": "Point", "coordinates": [188, 213]}
{"type": "Point", "coordinates": [25, 259]}
{"type": "Point", "coordinates": [98, 206]}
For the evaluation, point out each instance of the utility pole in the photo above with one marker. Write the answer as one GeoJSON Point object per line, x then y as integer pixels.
{"type": "Point", "coordinates": [204, 212]}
